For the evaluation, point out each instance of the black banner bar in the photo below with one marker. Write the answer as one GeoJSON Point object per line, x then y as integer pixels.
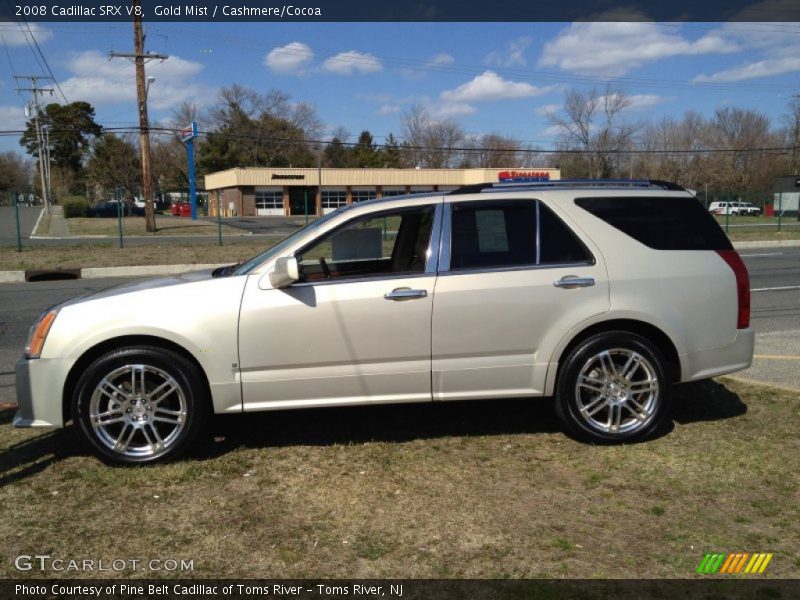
{"type": "Point", "coordinates": [408, 589]}
{"type": "Point", "coordinates": [277, 11]}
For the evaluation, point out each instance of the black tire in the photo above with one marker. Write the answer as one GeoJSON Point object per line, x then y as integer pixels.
{"type": "Point", "coordinates": [605, 397]}
{"type": "Point", "coordinates": [157, 427]}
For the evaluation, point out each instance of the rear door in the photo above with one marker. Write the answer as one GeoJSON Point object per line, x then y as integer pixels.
{"type": "Point", "coordinates": [513, 280]}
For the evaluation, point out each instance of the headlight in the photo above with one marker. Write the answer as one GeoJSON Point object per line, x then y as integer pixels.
{"type": "Point", "coordinates": [38, 334]}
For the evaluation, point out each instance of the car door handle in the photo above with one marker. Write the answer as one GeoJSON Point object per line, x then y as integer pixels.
{"type": "Point", "coordinates": [570, 282]}
{"type": "Point", "coordinates": [405, 294]}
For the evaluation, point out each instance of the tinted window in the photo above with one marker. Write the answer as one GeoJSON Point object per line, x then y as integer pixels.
{"type": "Point", "coordinates": [493, 234]}
{"type": "Point", "coordinates": [557, 242]}
{"type": "Point", "coordinates": [660, 223]}
{"type": "Point", "coordinates": [381, 244]}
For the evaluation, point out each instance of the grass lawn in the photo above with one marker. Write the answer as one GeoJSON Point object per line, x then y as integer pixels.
{"type": "Point", "coordinates": [763, 234]}
{"type": "Point", "coordinates": [109, 255]}
{"type": "Point", "coordinates": [482, 489]}
{"type": "Point", "coordinates": [166, 225]}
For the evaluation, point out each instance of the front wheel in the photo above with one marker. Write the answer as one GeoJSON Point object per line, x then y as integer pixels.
{"type": "Point", "coordinates": [139, 405]}
{"type": "Point", "coordinates": [612, 387]}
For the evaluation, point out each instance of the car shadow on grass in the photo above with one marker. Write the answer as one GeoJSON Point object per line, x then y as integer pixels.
{"type": "Point", "coordinates": [707, 400]}
{"type": "Point", "coordinates": [35, 454]}
{"type": "Point", "coordinates": [696, 402]}
{"type": "Point", "coordinates": [379, 423]}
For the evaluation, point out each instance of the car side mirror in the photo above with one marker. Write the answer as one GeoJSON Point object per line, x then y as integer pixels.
{"type": "Point", "coordinates": [286, 272]}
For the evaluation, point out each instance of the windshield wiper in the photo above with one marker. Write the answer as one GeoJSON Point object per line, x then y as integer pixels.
{"type": "Point", "coordinates": [225, 271]}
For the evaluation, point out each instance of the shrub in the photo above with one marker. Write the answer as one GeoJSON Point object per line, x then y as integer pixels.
{"type": "Point", "coordinates": [75, 207]}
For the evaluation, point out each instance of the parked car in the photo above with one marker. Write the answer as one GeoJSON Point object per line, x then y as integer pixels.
{"type": "Point", "coordinates": [601, 295]}
{"type": "Point", "coordinates": [181, 209]}
{"type": "Point", "coordinates": [734, 208]}
{"type": "Point", "coordinates": [111, 209]}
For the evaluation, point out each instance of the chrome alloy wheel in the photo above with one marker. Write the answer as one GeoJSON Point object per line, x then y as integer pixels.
{"type": "Point", "coordinates": [137, 411]}
{"type": "Point", "coordinates": [617, 391]}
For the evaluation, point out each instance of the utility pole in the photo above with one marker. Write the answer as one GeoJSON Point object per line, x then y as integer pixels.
{"type": "Point", "coordinates": [46, 131]}
{"type": "Point", "coordinates": [140, 58]}
{"type": "Point", "coordinates": [36, 91]}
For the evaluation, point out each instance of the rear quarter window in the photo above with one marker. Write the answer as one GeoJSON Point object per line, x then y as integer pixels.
{"type": "Point", "coordinates": [661, 223]}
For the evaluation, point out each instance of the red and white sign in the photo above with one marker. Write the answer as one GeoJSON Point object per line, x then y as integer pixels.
{"type": "Point", "coordinates": [189, 132]}
{"type": "Point", "coordinates": [512, 176]}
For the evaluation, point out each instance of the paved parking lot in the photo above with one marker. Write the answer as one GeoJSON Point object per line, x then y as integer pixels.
{"type": "Point", "coordinates": [8, 225]}
{"type": "Point", "coordinates": [775, 315]}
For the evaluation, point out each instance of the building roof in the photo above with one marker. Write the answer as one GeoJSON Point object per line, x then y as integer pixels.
{"type": "Point", "coordinates": [259, 176]}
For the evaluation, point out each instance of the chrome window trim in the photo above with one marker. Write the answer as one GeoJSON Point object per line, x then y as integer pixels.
{"type": "Point", "coordinates": [432, 254]}
{"type": "Point", "coordinates": [538, 234]}
{"type": "Point", "coordinates": [406, 275]}
{"type": "Point", "coordinates": [479, 270]}
{"type": "Point", "coordinates": [446, 238]}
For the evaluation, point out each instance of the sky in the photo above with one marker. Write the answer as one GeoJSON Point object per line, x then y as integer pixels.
{"type": "Point", "coordinates": [491, 77]}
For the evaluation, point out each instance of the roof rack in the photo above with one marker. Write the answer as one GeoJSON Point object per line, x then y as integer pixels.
{"type": "Point", "coordinates": [558, 183]}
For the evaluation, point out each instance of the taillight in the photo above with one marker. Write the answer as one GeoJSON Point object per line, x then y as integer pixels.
{"type": "Point", "coordinates": [736, 263]}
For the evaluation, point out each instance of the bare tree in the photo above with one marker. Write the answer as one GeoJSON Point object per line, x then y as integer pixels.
{"type": "Point", "coordinates": [674, 150]}
{"type": "Point", "coordinates": [493, 150]}
{"type": "Point", "coordinates": [792, 135]}
{"type": "Point", "coordinates": [736, 134]}
{"type": "Point", "coordinates": [15, 173]}
{"type": "Point", "coordinates": [597, 126]}
{"type": "Point", "coordinates": [429, 142]}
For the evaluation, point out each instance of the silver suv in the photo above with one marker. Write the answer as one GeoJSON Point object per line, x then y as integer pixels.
{"type": "Point", "coordinates": [599, 294]}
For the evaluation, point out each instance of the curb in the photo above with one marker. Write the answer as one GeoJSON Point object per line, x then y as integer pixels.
{"type": "Point", "coordinates": [12, 276]}
{"type": "Point", "coordinates": [767, 244]}
{"type": "Point", "coordinates": [101, 272]}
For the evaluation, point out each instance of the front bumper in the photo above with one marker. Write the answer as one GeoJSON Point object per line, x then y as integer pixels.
{"type": "Point", "coordinates": [40, 385]}
{"type": "Point", "coordinates": [711, 362]}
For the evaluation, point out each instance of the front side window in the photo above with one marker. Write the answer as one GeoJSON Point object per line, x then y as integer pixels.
{"type": "Point", "coordinates": [387, 243]}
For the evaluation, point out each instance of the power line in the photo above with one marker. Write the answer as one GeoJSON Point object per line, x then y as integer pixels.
{"type": "Point", "coordinates": [8, 54]}
{"type": "Point", "coordinates": [465, 149]}
{"type": "Point", "coordinates": [46, 64]}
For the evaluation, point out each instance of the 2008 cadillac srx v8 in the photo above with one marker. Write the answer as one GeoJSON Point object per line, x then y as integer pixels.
{"type": "Point", "coordinates": [600, 294]}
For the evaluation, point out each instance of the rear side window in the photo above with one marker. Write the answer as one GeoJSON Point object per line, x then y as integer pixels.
{"type": "Point", "coordinates": [661, 223]}
{"type": "Point", "coordinates": [558, 245]}
{"type": "Point", "coordinates": [498, 234]}
{"type": "Point", "coordinates": [493, 234]}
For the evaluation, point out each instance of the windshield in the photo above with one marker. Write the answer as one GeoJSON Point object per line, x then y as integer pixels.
{"type": "Point", "coordinates": [275, 250]}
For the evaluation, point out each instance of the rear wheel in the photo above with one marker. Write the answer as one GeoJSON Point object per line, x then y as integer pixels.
{"type": "Point", "coordinates": [612, 387]}
{"type": "Point", "coordinates": [140, 405]}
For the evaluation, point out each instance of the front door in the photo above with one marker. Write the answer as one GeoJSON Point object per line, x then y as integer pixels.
{"type": "Point", "coordinates": [355, 328]}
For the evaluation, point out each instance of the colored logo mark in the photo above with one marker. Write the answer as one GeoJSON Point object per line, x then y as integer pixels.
{"type": "Point", "coordinates": [741, 562]}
